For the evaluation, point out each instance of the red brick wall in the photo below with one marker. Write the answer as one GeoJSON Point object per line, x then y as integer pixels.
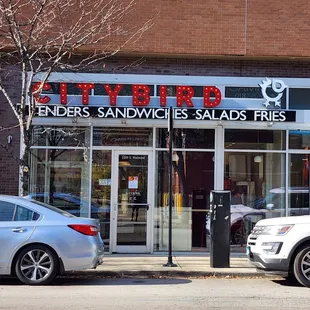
{"type": "Point", "coordinates": [224, 27]}
{"type": "Point", "coordinates": [9, 155]}
{"type": "Point", "coordinates": [202, 28]}
{"type": "Point", "coordinates": [8, 126]}
{"type": "Point", "coordinates": [167, 66]}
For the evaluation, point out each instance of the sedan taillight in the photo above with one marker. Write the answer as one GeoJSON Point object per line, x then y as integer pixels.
{"type": "Point", "coordinates": [88, 230]}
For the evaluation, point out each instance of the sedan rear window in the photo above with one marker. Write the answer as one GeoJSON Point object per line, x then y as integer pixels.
{"type": "Point", "coordinates": [47, 206]}
{"type": "Point", "coordinates": [7, 210]}
{"type": "Point", "coordinates": [12, 212]}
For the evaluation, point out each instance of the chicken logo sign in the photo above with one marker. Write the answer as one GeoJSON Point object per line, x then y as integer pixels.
{"type": "Point", "coordinates": [277, 86]}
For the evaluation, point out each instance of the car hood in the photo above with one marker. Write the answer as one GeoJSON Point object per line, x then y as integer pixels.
{"type": "Point", "coordinates": [303, 219]}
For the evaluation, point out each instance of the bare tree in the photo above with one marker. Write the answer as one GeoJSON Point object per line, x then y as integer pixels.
{"type": "Point", "coordinates": [42, 36]}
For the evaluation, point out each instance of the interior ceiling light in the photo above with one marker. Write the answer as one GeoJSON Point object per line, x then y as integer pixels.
{"type": "Point", "coordinates": [258, 159]}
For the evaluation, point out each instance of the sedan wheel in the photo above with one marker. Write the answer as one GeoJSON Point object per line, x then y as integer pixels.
{"type": "Point", "coordinates": [302, 266]}
{"type": "Point", "coordinates": [36, 265]}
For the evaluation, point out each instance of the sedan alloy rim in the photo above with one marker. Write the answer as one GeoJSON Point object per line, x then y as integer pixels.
{"type": "Point", "coordinates": [36, 265]}
{"type": "Point", "coordinates": [305, 265]}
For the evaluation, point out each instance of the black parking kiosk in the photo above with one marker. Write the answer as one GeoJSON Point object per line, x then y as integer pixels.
{"type": "Point", "coordinates": [220, 229]}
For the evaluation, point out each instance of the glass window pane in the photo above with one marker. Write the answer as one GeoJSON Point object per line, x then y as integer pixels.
{"type": "Point", "coordinates": [243, 92]}
{"type": "Point", "coordinates": [60, 177]}
{"type": "Point", "coordinates": [191, 188]}
{"type": "Point", "coordinates": [298, 192]}
{"type": "Point", "coordinates": [101, 192]}
{"type": "Point", "coordinates": [132, 199]}
{"type": "Point", "coordinates": [254, 139]}
{"type": "Point", "coordinates": [6, 211]}
{"type": "Point", "coordinates": [252, 92]}
{"type": "Point", "coordinates": [61, 136]}
{"type": "Point", "coordinates": [253, 179]}
{"type": "Point", "coordinates": [123, 136]}
{"type": "Point", "coordinates": [299, 98]}
{"type": "Point", "coordinates": [299, 139]}
{"type": "Point", "coordinates": [187, 138]}
{"type": "Point", "coordinates": [23, 214]}
{"type": "Point", "coordinates": [171, 90]}
{"type": "Point", "coordinates": [50, 207]}
{"type": "Point", "coordinates": [126, 90]}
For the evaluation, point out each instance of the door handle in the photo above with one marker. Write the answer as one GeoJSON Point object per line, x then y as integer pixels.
{"type": "Point", "coordinates": [18, 229]}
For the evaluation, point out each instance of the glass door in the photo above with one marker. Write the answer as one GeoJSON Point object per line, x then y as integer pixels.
{"type": "Point", "coordinates": [132, 195]}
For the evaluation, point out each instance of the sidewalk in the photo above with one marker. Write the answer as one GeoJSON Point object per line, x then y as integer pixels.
{"type": "Point", "coordinates": [188, 265]}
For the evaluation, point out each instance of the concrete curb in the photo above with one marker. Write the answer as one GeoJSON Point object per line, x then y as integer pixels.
{"type": "Point", "coordinates": [170, 274]}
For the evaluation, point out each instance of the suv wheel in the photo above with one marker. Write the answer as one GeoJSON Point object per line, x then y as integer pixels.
{"type": "Point", "coordinates": [302, 266]}
{"type": "Point", "coordinates": [36, 265]}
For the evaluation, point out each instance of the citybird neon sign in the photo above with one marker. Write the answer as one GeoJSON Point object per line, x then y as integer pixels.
{"type": "Point", "coordinates": [141, 94]}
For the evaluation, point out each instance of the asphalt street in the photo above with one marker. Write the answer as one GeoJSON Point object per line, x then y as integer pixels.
{"type": "Point", "coordinates": [80, 292]}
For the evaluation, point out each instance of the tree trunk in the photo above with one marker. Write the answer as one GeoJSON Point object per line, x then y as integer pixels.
{"type": "Point", "coordinates": [25, 136]}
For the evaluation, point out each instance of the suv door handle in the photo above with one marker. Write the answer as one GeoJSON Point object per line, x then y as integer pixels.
{"type": "Point", "coordinates": [18, 229]}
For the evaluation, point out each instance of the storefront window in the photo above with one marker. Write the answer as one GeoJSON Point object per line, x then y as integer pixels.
{"type": "Point", "coordinates": [123, 137]}
{"type": "Point", "coordinates": [253, 179]}
{"type": "Point", "coordinates": [61, 136]}
{"type": "Point", "coordinates": [253, 92]}
{"type": "Point", "coordinates": [101, 192]}
{"type": "Point", "coordinates": [299, 98]}
{"type": "Point", "coordinates": [171, 90]}
{"type": "Point", "coordinates": [299, 139]}
{"type": "Point", "coordinates": [187, 138]}
{"type": "Point", "coordinates": [298, 190]}
{"type": "Point", "coordinates": [193, 175]}
{"type": "Point", "coordinates": [243, 92]}
{"type": "Point", "coordinates": [126, 90]}
{"type": "Point", "coordinates": [254, 139]}
{"type": "Point", "coordinates": [60, 177]}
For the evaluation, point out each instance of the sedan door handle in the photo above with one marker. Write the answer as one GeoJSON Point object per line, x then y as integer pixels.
{"type": "Point", "coordinates": [18, 229]}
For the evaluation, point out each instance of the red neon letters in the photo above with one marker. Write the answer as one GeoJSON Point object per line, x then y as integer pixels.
{"type": "Point", "coordinates": [36, 90]}
{"type": "Point", "coordinates": [85, 91]}
{"type": "Point", "coordinates": [113, 93]}
{"type": "Point", "coordinates": [207, 91]}
{"type": "Point", "coordinates": [141, 94]}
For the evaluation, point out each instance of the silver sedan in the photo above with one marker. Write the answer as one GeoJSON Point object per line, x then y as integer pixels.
{"type": "Point", "coordinates": [39, 241]}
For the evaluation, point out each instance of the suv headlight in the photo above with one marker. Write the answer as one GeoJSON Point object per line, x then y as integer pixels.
{"type": "Point", "coordinates": [280, 230]}
{"type": "Point", "coordinates": [276, 230]}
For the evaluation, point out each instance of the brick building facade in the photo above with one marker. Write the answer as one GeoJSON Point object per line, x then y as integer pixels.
{"type": "Point", "coordinates": [238, 39]}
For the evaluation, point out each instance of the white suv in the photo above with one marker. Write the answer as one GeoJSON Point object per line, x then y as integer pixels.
{"type": "Point", "coordinates": [282, 246]}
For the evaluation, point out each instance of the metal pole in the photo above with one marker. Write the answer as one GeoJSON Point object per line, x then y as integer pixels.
{"type": "Point", "coordinates": [170, 128]}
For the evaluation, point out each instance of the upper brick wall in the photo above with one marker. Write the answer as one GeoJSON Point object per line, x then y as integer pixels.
{"type": "Point", "coordinates": [278, 28]}
{"type": "Point", "coordinates": [9, 152]}
{"type": "Point", "coordinates": [200, 28]}
{"type": "Point", "coordinates": [225, 27]}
